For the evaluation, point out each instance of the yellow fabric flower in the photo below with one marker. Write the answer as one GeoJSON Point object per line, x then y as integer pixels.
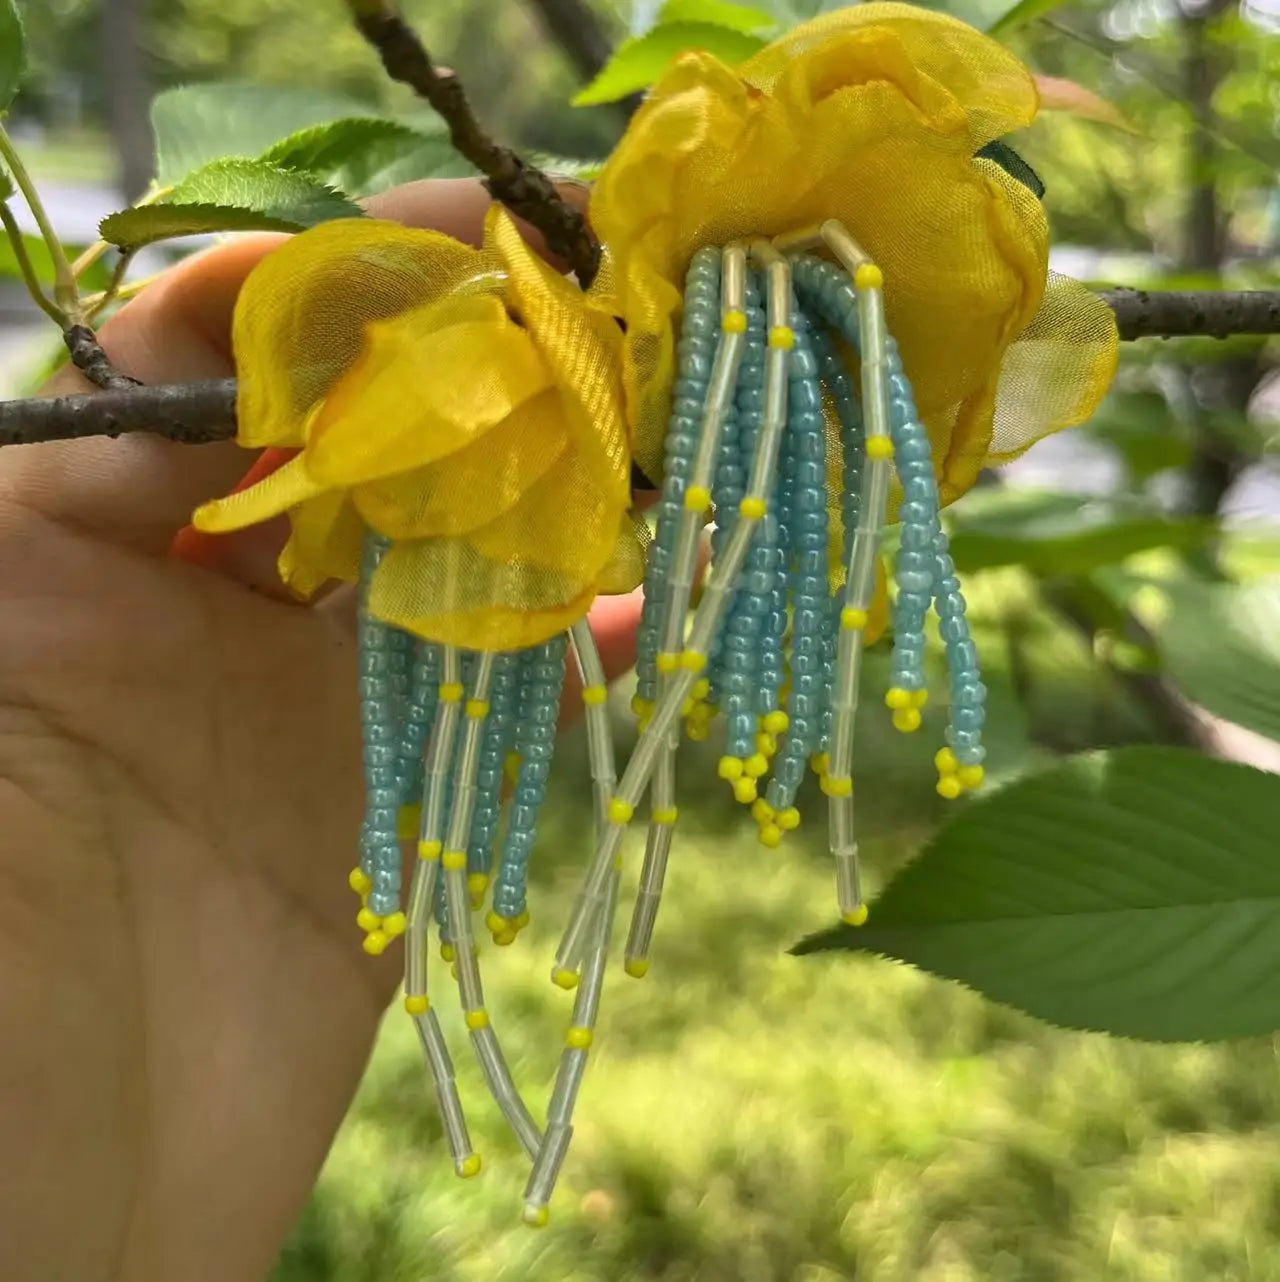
{"type": "Point", "coordinates": [870, 115]}
{"type": "Point", "coordinates": [465, 403]}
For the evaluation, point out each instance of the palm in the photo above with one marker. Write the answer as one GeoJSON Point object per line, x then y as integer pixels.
{"type": "Point", "coordinates": [188, 1009]}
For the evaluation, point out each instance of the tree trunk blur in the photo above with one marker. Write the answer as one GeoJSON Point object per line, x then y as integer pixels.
{"type": "Point", "coordinates": [128, 92]}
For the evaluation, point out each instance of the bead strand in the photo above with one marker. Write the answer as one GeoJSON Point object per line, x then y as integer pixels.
{"type": "Point", "coordinates": [697, 347]}
{"type": "Point", "coordinates": [542, 680]}
{"type": "Point", "coordinates": [489, 778]}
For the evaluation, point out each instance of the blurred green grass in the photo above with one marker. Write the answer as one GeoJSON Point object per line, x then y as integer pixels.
{"type": "Point", "coordinates": [751, 1116]}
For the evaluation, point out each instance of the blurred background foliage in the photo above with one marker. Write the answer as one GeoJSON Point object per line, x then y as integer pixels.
{"type": "Point", "coordinates": [752, 1116]}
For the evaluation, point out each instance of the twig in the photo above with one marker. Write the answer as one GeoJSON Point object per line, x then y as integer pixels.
{"type": "Point", "coordinates": [89, 358]}
{"type": "Point", "coordinates": [1188, 313]}
{"type": "Point", "coordinates": [191, 413]}
{"type": "Point", "coordinates": [197, 412]}
{"type": "Point", "coordinates": [525, 190]}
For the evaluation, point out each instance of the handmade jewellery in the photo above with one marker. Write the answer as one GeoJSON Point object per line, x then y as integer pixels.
{"type": "Point", "coordinates": [825, 307]}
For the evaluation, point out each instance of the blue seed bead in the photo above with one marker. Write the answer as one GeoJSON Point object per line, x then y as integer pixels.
{"type": "Point", "coordinates": [968, 718]}
{"type": "Point", "coordinates": [971, 694]}
{"type": "Point", "coordinates": [963, 656]}
{"type": "Point", "coordinates": [539, 690]}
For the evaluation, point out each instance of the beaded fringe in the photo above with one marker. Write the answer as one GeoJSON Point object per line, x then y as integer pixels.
{"type": "Point", "coordinates": [775, 644]}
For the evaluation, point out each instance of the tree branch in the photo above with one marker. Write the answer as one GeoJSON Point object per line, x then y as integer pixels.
{"type": "Point", "coordinates": [1188, 313]}
{"type": "Point", "coordinates": [199, 412]}
{"type": "Point", "coordinates": [525, 190]}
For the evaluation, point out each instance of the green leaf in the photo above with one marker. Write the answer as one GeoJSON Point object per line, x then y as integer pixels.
{"type": "Point", "coordinates": [364, 155]}
{"type": "Point", "coordinates": [719, 13]}
{"type": "Point", "coordinates": [639, 62]}
{"type": "Point", "coordinates": [199, 124]}
{"type": "Point", "coordinates": [1023, 12]}
{"type": "Point", "coordinates": [13, 53]}
{"type": "Point", "coordinates": [230, 195]}
{"type": "Point", "coordinates": [1135, 892]}
{"type": "Point", "coordinates": [1221, 648]}
{"type": "Point", "coordinates": [1050, 533]}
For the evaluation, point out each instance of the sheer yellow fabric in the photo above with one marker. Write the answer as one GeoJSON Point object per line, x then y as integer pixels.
{"type": "Point", "coordinates": [870, 115]}
{"type": "Point", "coordinates": [466, 404]}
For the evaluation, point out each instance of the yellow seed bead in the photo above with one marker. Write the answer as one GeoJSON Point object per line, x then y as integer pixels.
{"type": "Point", "coordinates": [665, 815]}
{"type": "Point", "coordinates": [565, 979]}
{"type": "Point", "coordinates": [782, 336]}
{"type": "Point", "coordinates": [418, 1004]}
{"type": "Point", "coordinates": [430, 849]}
{"type": "Point", "coordinates": [701, 688]}
{"type": "Point", "coordinates": [856, 916]}
{"type": "Point", "coordinates": [734, 321]}
{"type": "Point", "coordinates": [476, 1019]}
{"type": "Point", "coordinates": [853, 620]}
{"type": "Point", "coordinates": [821, 763]}
{"type": "Point", "coordinates": [868, 276]}
{"type": "Point", "coordinates": [752, 508]}
{"type": "Point", "coordinates": [451, 692]}
{"type": "Point", "coordinates": [578, 1039]}
{"type": "Point", "coordinates": [494, 922]}
{"type": "Point", "coordinates": [945, 762]}
{"type": "Point", "coordinates": [636, 967]}
{"type": "Point", "coordinates": [477, 709]}
{"type": "Point", "coordinates": [693, 660]}
{"type": "Point", "coordinates": [729, 768]}
{"type": "Point", "coordinates": [395, 925]}
{"type": "Point", "coordinates": [775, 722]}
{"type": "Point", "coordinates": [666, 661]}
{"type": "Point", "coordinates": [896, 697]}
{"type": "Point", "coordinates": [522, 920]}
{"type": "Point", "coordinates": [360, 881]}
{"type": "Point", "coordinates": [744, 790]}
{"type": "Point", "coordinates": [594, 695]}
{"type": "Point", "coordinates": [919, 698]}
{"type": "Point", "coordinates": [477, 884]}
{"type": "Point", "coordinates": [536, 1217]}
{"type": "Point", "coordinates": [879, 447]}
{"type": "Point", "coordinates": [367, 920]}
{"type": "Point", "coordinates": [687, 707]}
{"type": "Point", "coordinates": [789, 819]}
{"type": "Point", "coordinates": [469, 1167]}
{"type": "Point", "coordinates": [755, 765]}
{"type": "Point", "coordinates": [504, 937]}
{"type": "Point", "coordinates": [375, 943]}
{"type": "Point", "coordinates": [835, 787]}
{"type": "Point", "coordinates": [771, 836]}
{"type": "Point", "coordinates": [620, 810]}
{"type": "Point", "coordinates": [448, 952]}
{"type": "Point", "coordinates": [908, 720]}
{"type": "Point", "coordinates": [766, 744]}
{"type": "Point", "coordinates": [408, 821]}
{"type": "Point", "coordinates": [453, 860]}
{"type": "Point", "coordinates": [761, 811]}
{"type": "Point", "coordinates": [697, 498]}
{"type": "Point", "coordinates": [971, 776]}
{"type": "Point", "coordinates": [949, 787]}
{"type": "Point", "coordinates": [641, 707]}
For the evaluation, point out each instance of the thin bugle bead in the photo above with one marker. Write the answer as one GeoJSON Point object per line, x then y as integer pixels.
{"type": "Point", "coordinates": [600, 757]}
{"type": "Point", "coordinates": [452, 1118]}
{"type": "Point", "coordinates": [573, 1064]}
{"type": "Point", "coordinates": [697, 497]}
{"type": "Point", "coordinates": [454, 862]}
{"type": "Point", "coordinates": [696, 354]}
{"type": "Point", "coordinates": [654, 871]}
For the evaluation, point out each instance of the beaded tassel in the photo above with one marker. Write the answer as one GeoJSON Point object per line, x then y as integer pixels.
{"type": "Point", "coordinates": [776, 642]}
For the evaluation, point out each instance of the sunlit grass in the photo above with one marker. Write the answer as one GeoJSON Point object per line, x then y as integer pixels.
{"type": "Point", "coordinates": [751, 1116]}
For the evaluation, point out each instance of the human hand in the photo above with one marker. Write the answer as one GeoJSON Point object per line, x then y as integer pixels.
{"type": "Point", "coordinates": [185, 1010]}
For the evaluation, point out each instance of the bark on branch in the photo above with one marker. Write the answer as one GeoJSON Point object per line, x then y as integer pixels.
{"type": "Point", "coordinates": [199, 412]}
{"type": "Point", "coordinates": [524, 189]}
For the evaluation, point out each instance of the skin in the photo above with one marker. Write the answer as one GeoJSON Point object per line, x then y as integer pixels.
{"type": "Point", "coordinates": [185, 1009]}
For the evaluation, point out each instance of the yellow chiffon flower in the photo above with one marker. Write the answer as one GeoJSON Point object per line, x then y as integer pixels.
{"type": "Point", "coordinates": [464, 403]}
{"type": "Point", "coordinates": [870, 115]}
